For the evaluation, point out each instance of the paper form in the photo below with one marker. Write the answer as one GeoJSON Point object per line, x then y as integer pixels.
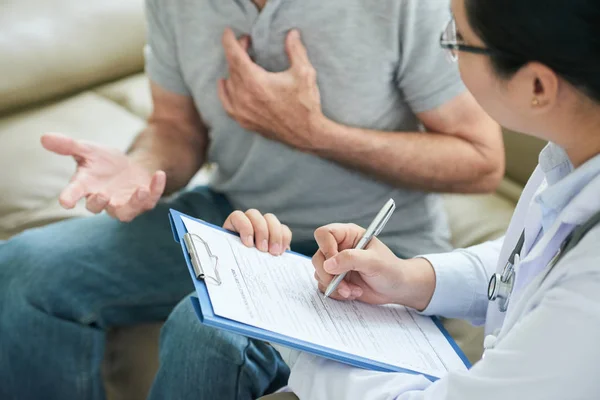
{"type": "Point", "coordinates": [280, 294]}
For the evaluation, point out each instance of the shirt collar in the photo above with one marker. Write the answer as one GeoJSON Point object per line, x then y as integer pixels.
{"type": "Point", "coordinates": [555, 163]}
{"type": "Point", "coordinates": [564, 182]}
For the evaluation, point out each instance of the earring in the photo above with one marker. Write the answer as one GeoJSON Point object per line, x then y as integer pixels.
{"type": "Point", "coordinates": [535, 102]}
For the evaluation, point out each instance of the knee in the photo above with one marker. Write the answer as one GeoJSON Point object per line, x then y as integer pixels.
{"type": "Point", "coordinates": [183, 335]}
{"type": "Point", "coordinates": [38, 265]}
{"type": "Point", "coordinates": [34, 251]}
{"type": "Point", "coordinates": [22, 258]}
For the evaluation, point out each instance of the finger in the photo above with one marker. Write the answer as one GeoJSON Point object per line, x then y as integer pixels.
{"type": "Point", "coordinates": [336, 237]}
{"type": "Point", "coordinates": [322, 276]}
{"type": "Point", "coordinates": [74, 192]}
{"type": "Point", "coordinates": [261, 229]}
{"type": "Point", "coordinates": [225, 97]}
{"type": "Point", "coordinates": [158, 184]}
{"type": "Point", "coordinates": [295, 50]}
{"type": "Point", "coordinates": [317, 278]}
{"type": "Point", "coordinates": [275, 235]}
{"type": "Point", "coordinates": [327, 242]}
{"type": "Point", "coordinates": [343, 293]}
{"type": "Point", "coordinates": [240, 223]}
{"type": "Point", "coordinates": [356, 290]}
{"type": "Point", "coordinates": [347, 289]}
{"type": "Point", "coordinates": [286, 238]}
{"type": "Point", "coordinates": [352, 260]}
{"type": "Point", "coordinates": [142, 199]}
{"type": "Point", "coordinates": [97, 202]}
{"type": "Point", "coordinates": [343, 289]}
{"type": "Point", "coordinates": [134, 205]}
{"type": "Point", "coordinates": [64, 145]}
{"type": "Point", "coordinates": [237, 57]}
{"type": "Point", "coordinates": [110, 210]}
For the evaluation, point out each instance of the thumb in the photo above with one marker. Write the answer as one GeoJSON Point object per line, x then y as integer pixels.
{"type": "Point", "coordinates": [352, 260]}
{"type": "Point", "coordinates": [245, 42]}
{"type": "Point", "coordinates": [296, 50]}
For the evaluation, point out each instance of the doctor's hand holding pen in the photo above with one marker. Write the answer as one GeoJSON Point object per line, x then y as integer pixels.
{"type": "Point", "coordinates": [374, 275]}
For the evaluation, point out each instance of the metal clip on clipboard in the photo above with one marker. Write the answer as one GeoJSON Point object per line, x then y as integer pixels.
{"type": "Point", "coordinates": [202, 258]}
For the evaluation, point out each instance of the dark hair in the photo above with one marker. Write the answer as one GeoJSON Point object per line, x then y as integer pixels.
{"type": "Point", "coordinates": [564, 35]}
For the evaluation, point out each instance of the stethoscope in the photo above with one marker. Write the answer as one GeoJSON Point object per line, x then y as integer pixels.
{"type": "Point", "coordinates": [501, 285]}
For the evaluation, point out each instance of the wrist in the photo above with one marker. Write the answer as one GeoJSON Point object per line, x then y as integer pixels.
{"type": "Point", "coordinates": [145, 160]}
{"type": "Point", "coordinates": [324, 133]}
{"type": "Point", "coordinates": [418, 284]}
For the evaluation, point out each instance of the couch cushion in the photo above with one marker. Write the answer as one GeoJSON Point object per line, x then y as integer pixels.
{"type": "Point", "coordinates": [130, 361]}
{"type": "Point", "coordinates": [32, 178]}
{"type": "Point", "coordinates": [521, 155]}
{"type": "Point", "coordinates": [477, 218]}
{"type": "Point", "coordinates": [132, 93]}
{"type": "Point", "coordinates": [54, 47]}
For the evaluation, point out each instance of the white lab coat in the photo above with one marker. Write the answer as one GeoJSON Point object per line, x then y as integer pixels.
{"type": "Point", "coordinates": [544, 347]}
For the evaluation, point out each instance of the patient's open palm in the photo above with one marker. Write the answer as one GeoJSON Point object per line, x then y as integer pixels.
{"type": "Point", "coordinates": [107, 178]}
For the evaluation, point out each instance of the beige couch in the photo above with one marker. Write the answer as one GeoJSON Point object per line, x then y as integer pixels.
{"type": "Point", "coordinates": [76, 68]}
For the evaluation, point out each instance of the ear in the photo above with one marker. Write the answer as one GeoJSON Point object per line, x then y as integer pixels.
{"type": "Point", "coordinates": [544, 87]}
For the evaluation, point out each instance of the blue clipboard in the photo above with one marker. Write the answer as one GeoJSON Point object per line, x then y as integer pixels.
{"type": "Point", "coordinates": [204, 310]}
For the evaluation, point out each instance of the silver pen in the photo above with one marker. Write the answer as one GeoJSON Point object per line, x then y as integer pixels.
{"type": "Point", "coordinates": [382, 217]}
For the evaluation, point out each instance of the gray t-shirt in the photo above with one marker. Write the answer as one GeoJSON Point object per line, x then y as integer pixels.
{"type": "Point", "coordinates": [378, 63]}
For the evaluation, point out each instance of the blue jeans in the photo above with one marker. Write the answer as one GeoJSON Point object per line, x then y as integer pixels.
{"type": "Point", "coordinates": [64, 285]}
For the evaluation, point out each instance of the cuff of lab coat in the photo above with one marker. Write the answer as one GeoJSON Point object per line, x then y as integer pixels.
{"type": "Point", "coordinates": [453, 295]}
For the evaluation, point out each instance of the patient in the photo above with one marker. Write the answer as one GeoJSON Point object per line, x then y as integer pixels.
{"type": "Point", "coordinates": [534, 66]}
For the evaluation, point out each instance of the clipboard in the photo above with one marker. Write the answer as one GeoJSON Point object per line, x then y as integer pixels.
{"type": "Point", "coordinates": [202, 305]}
{"type": "Point", "coordinates": [204, 263]}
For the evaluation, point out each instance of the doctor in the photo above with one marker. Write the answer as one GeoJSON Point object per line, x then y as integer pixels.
{"type": "Point", "coordinates": [535, 67]}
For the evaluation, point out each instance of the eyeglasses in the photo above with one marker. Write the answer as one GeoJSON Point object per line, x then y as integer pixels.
{"type": "Point", "coordinates": [450, 41]}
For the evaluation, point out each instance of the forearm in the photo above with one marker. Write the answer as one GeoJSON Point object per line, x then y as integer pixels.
{"type": "Point", "coordinates": [449, 284]}
{"type": "Point", "coordinates": [177, 151]}
{"type": "Point", "coordinates": [422, 161]}
{"type": "Point", "coordinates": [418, 284]}
{"type": "Point", "coordinates": [461, 279]}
